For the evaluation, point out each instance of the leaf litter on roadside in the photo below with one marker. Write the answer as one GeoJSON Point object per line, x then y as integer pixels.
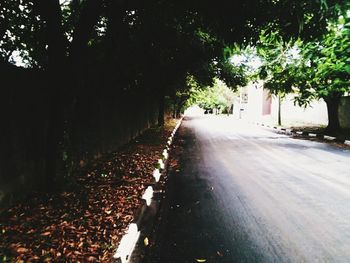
{"type": "Point", "coordinates": [87, 223]}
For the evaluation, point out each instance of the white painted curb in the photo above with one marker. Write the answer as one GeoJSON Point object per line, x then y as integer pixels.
{"type": "Point", "coordinates": [329, 138]}
{"type": "Point", "coordinates": [127, 244]}
{"type": "Point", "coordinates": [161, 164]}
{"type": "Point", "coordinates": [165, 154]}
{"type": "Point", "coordinates": [148, 195]}
{"type": "Point", "coordinates": [290, 132]}
{"type": "Point", "coordinates": [156, 175]}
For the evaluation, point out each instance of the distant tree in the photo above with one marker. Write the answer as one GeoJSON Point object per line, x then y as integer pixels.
{"type": "Point", "coordinates": [218, 96]}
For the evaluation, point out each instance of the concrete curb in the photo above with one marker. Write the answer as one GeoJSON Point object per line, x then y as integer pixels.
{"type": "Point", "coordinates": [133, 242]}
{"type": "Point", "coordinates": [286, 131]}
{"type": "Point", "coordinates": [329, 138]}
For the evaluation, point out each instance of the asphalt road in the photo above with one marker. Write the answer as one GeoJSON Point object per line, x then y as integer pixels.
{"type": "Point", "coordinates": [246, 194]}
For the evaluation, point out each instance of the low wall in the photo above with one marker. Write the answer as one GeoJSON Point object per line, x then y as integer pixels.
{"type": "Point", "coordinates": [264, 107]}
{"type": "Point", "coordinates": [314, 114]}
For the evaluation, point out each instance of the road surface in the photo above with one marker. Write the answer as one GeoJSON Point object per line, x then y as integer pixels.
{"type": "Point", "coordinates": [246, 194]}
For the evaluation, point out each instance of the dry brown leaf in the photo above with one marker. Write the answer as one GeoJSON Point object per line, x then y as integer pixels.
{"type": "Point", "coordinates": [219, 254]}
{"type": "Point", "coordinates": [91, 259]}
{"type": "Point", "coordinates": [21, 250]}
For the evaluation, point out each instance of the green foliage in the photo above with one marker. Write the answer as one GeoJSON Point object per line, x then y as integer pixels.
{"type": "Point", "coordinates": [312, 69]}
{"type": "Point", "coordinates": [22, 31]}
{"type": "Point", "coordinates": [333, 65]}
{"type": "Point", "coordinates": [278, 59]}
{"type": "Point", "coordinates": [232, 75]}
{"type": "Point", "coordinates": [247, 60]}
{"type": "Point", "coordinates": [188, 38]}
{"type": "Point", "coordinates": [218, 96]}
{"type": "Point", "coordinates": [323, 70]}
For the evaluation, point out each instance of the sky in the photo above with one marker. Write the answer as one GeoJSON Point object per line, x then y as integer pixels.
{"type": "Point", "coordinates": [17, 59]}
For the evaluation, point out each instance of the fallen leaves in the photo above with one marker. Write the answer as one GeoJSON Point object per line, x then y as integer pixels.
{"type": "Point", "coordinates": [108, 212]}
{"type": "Point", "coordinates": [21, 250]}
{"type": "Point", "coordinates": [219, 254]}
{"type": "Point", "coordinates": [86, 223]}
{"type": "Point", "coordinates": [46, 233]}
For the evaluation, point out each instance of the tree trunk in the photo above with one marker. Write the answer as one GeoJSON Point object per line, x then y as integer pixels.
{"type": "Point", "coordinates": [279, 111]}
{"type": "Point", "coordinates": [54, 139]}
{"type": "Point", "coordinates": [333, 114]}
{"type": "Point", "coordinates": [174, 106]}
{"type": "Point", "coordinates": [179, 107]}
{"type": "Point", "coordinates": [54, 167]}
{"type": "Point", "coordinates": [161, 108]}
{"type": "Point", "coordinates": [63, 87]}
{"type": "Point", "coordinates": [89, 17]}
{"type": "Point", "coordinates": [178, 112]}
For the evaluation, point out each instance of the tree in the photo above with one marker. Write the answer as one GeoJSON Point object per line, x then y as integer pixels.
{"type": "Point", "coordinates": [313, 69]}
{"type": "Point", "coordinates": [278, 57]}
{"type": "Point", "coordinates": [35, 29]}
{"type": "Point", "coordinates": [324, 71]}
{"type": "Point", "coordinates": [218, 96]}
{"type": "Point", "coordinates": [144, 46]}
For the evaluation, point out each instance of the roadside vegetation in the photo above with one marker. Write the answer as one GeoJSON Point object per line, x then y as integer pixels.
{"type": "Point", "coordinates": [215, 99]}
{"type": "Point", "coordinates": [312, 68]}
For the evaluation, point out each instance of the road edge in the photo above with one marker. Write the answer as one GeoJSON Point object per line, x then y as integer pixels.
{"type": "Point", "coordinates": [133, 244]}
{"type": "Point", "coordinates": [304, 134]}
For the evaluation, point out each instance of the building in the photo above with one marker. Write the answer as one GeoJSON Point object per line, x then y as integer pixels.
{"type": "Point", "coordinates": [255, 103]}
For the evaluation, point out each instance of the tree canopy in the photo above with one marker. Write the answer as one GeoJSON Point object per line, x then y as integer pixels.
{"type": "Point", "coordinates": [311, 68]}
{"type": "Point", "coordinates": [147, 47]}
{"type": "Point", "coordinates": [143, 39]}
